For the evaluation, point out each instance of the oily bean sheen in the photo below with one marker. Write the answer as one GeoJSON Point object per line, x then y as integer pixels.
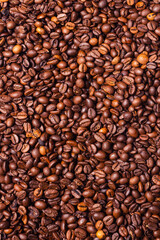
{"type": "Point", "coordinates": [80, 120]}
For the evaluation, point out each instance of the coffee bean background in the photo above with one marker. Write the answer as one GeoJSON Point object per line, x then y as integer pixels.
{"type": "Point", "coordinates": [79, 119]}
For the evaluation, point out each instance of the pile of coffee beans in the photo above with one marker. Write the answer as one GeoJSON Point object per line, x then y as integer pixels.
{"type": "Point", "coordinates": [79, 119]}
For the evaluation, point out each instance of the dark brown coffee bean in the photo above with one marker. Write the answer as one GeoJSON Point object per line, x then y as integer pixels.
{"type": "Point", "coordinates": [69, 208]}
{"type": "Point", "coordinates": [100, 137]}
{"type": "Point", "coordinates": [108, 220]}
{"type": "Point", "coordinates": [5, 98]}
{"type": "Point", "coordinates": [156, 179]}
{"type": "Point", "coordinates": [4, 224]}
{"type": "Point", "coordinates": [2, 127]}
{"type": "Point", "coordinates": [14, 139]}
{"type": "Point", "coordinates": [115, 236]}
{"type": "Point", "coordinates": [96, 207]}
{"type": "Point", "coordinates": [33, 212]}
{"type": "Point", "coordinates": [152, 36]}
{"type": "Point", "coordinates": [84, 46]}
{"type": "Point", "coordinates": [91, 113]}
{"type": "Point", "coordinates": [62, 17]}
{"type": "Point", "coordinates": [40, 204]}
{"type": "Point", "coordinates": [123, 231]}
{"type": "Point", "coordinates": [51, 193]}
{"type": "Point", "coordinates": [76, 193]}
{"type": "Point", "coordinates": [52, 227]}
{"type": "Point", "coordinates": [95, 126]}
{"type": "Point", "coordinates": [142, 28]}
{"type": "Point", "coordinates": [50, 212]}
{"type": "Point", "coordinates": [85, 123]}
{"type": "Point", "coordinates": [112, 228]}
{"type": "Point", "coordinates": [80, 233]}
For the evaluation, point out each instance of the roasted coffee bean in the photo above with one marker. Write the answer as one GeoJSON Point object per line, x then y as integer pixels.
{"type": "Point", "coordinates": [33, 212]}
{"type": "Point", "coordinates": [123, 231]}
{"type": "Point", "coordinates": [88, 193]}
{"type": "Point", "coordinates": [97, 207]}
{"type": "Point", "coordinates": [95, 126]}
{"type": "Point", "coordinates": [130, 2]}
{"type": "Point", "coordinates": [99, 137]}
{"type": "Point", "coordinates": [115, 236]}
{"type": "Point", "coordinates": [51, 193]}
{"type": "Point", "coordinates": [108, 220]}
{"type": "Point", "coordinates": [100, 234]}
{"type": "Point", "coordinates": [156, 179]}
{"type": "Point", "coordinates": [40, 204]}
{"type": "Point", "coordinates": [85, 123]}
{"type": "Point", "coordinates": [80, 233]}
{"type": "Point", "coordinates": [50, 212]}
{"type": "Point", "coordinates": [82, 207]}
{"type": "Point", "coordinates": [76, 193]}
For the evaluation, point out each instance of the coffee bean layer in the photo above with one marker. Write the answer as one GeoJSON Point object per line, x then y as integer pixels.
{"type": "Point", "coordinates": [79, 119]}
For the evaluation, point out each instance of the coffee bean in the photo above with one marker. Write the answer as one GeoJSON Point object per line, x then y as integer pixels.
{"type": "Point", "coordinates": [100, 234]}
{"type": "Point", "coordinates": [100, 137]}
{"type": "Point", "coordinates": [103, 49]}
{"type": "Point", "coordinates": [133, 132]}
{"type": "Point", "coordinates": [14, 139]}
{"type": "Point", "coordinates": [85, 123]}
{"type": "Point", "coordinates": [108, 220]}
{"type": "Point", "coordinates": [69, 208]}
{"type": "Point", "coordinates": [52, 227]}
{"type": "Point", "coordinates": [33, 212]}
{"type": "Point", "coordinates": [70, 25]}
{"type": "Point", "coordinates": [115, 236]}
{"type": "Point", "coordinates": [91, 113]}
{"type": "Point", "coordinates": [96, 207]}
{"type": "Point", "coordinates": [5, 98]}
{"type": "Point", "coordinates": [142, 28]}
{"type": "Point", "coordinates": [133, 30]}
{"type": "Point", "coordinates": [62, 17]}
{"type": "Point", "coordinates": [83, 68]}
{"type": "Point", "coordinates": [140, 6]}
{"type": "Point", "coordinates": [54, 118]}
{"type": "Point", "coordinates": [80, 233]}
{"type": "Point", "coordinates": [15, 94]}
{"type": "Point", "coordinates": [51, 193]}
{"type": "Point", "coordinates": [22, 115]}
{"type": "Point", "coordinates": [76, 193]}
{"type": "Point", "coordinates": [84, 46]}
{"type": "Point", "coordinates": [156, 179]}
{"type": "Point", "coordinates": [82, 207]}
{"type": "Point", "coordinates": [99, 225]}
{"type": "Point", "coordinates": [152, 36]}
{"type": "Point", "coordinates": [63, 88]}
{"type": "Point", "coordinates": [95, 126]}
{"type": "Point", "coordinates": [2, 127]}
{"type": "Point", "coordinates": [50, 212]}
{"type": "Point", "coordinates": [15, 67]}
{"type": "Point", "coordinates": [40, 204]}
{"type": "Point", "coordinates": [116, 167]}
{"type": "Point", "coordinates": [25, 148]}
{"type": "Point", "coordinates": [94, 53]}
{"type": "Point", "coordinates": [120, 197]}
{"type": "Point", "coordinates": [123, 231]}
{"type": "Point", "coordinates": [130, 2]}
{"type": "Point", "coordinates": [99, 173]}
{"type": "Point", "coordinates": [112, 228]}
{"type": "Point", "coordinates": [4, 224]}
{"type": "Point", "coordinates": [88, 193]}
